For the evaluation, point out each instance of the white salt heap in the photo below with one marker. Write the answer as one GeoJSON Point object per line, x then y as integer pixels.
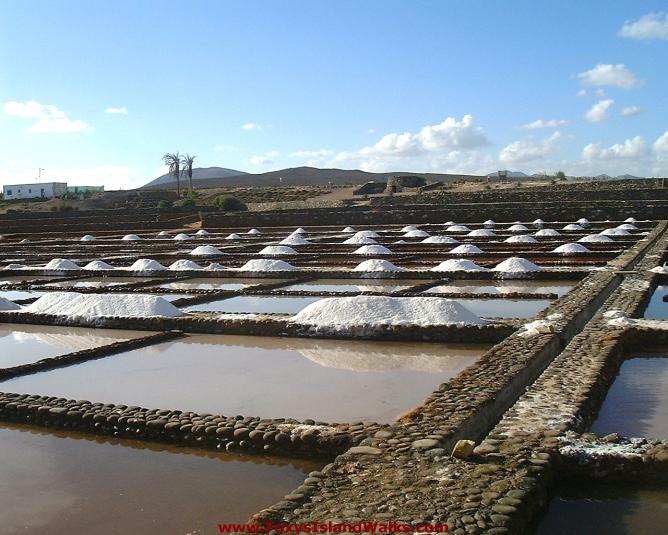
{"type": "Point", "coordinates": [583, 221]}
{"type": "Point", "coordinates": [377, 265]}
{"type": "Point", "coordinates": [233, 236]}
{"type": "Point", "coordinates": [60, 264]}
{"type": "Point", "coordinates": [517, 228]}
{"type": "Point", "coordinates": [366, 234]}
{"type": "Point", "coordinates": [146, 264]}
{"type": "Point", "coordinates": [163, 234]}
{"type": "Point", "coordinates": [88, 237]}
{"type": "Point", "coordinates": [489, 223]}
{"type": "Point", "coordinates": [359, 240]}
{"type": "Point", "coordinates": [254, 231]}
{"type": "Point", "coordinates": [215, 266]}
{"type": "Point", "coordinates": [348, 229]}
{"type": "Point", "coordinates": [299, 231]}
{"type": "Point", "coordinates": [206, 250]}
{"type": "Point", "coordinates": [466, 249]}
{"type": "Point", "coordinates": [457, 228]}
{"type": "Point", "coordinates": [294, 239]}
{"type": "Point", "coordinates": [15, 266]}
{"type": "Point", "coordinates": [571, 248]}
{"type": "Point", "coordinates": [630, 220]}
{"type": "Point", "coordinates": [368, 312]}
{"type": "Point", "coordinates": [615, 232]}
{"type": "Point", "coordinates": [458, 264]}
{"type": "Point", "coordinates": [184, 265]}
{"type": "Point", "coordinates": [416, 234]}
{"type": "Point", "coordinates": [537, 327]}
{"type": "Point", "coordinates": [521, 239]}
{"type": "Point", "coordinates": [264, 264]}
{"type": "Point", "coordinates": [516, 264]}
{"type": "Point", "coordinates": [439, 239]}
{"type": "Point", "coordinates": [482, 232]}
{"type": "Point", "coordinates": [275, 250]}
{"type": "Point", "coordinates": [627, 226]}
{"type": "Point", "coordinates": [6, 304]}
{"type": "Point", "coordinates": [538, 222]}
{"type": "Point", "coordinates": [182, 237]}
{"type": "Point", "coordinates": [96, 265]}
{"type": "Point", "coordinates": [547, 232]}
{"type": "Point", "coordinates": [595, 238]}
{"type": "Point", "coordinates": [371, 250]}
{"type": "Point", "coordinates": [202, 232]}
{"type": "Point", "coordinates": [130, 237]}
{"type": "Point", "coordinates": [409, 228]}
{"type": "Point", "coordinates": [573, 226]}
{"type": "Point", "coordinates": [93, 306]}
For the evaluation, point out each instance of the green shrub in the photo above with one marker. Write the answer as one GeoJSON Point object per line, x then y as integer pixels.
{"type": "Point", "coordinates": [186, 202]}
{"type": "Point", "coordinates": [164, 204]}
{"type": "Point", "coordinates": [228, 203]}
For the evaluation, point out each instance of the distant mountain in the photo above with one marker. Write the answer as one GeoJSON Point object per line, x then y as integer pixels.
{"type": "Point", "coordinates": [300, 176]}
{"type": "Point", "coordinates": [511, 174]}
{"type": "Point", "coordinates": [628, 177]}
{"type": "Point", "coordinates": [199, 173]}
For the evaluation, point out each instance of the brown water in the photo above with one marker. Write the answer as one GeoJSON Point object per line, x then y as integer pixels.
{"type": "Point", "coordinates": [326, 380]}
{"type": "Point", "coordinates": [95, 282]}
{"type": "Point", "coordinates": [23, 344]}
{"type": "Point", "coordinates": [68, 483]}
{"type": "Point", "coordinates": [637, 402]}
{"type": "Point", "coordinates": [216, 284]}
{"type": "Point", "coordinates": [352, 285]}
{"type": "Point", "coordinates": [586, 509]}
{"type": "Point", "coordinates": [256, 304]}
{"type": "Point", "coordinates": [501, 287]}
{"type": "Point", "coordinates": [505, 308]}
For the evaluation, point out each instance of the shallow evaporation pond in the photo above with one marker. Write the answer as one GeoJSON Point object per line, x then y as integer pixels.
{"type": "Point", "coordinates": [216, 283]}
{"type": "Point", "coordinates": [171, 297]}
{"type": "Point", "coordinates": [657, 309]}
{"type": "Point", "coordinates": [505, 308]}
{"type": "Point", "coordinates": [583, 509]}
{"type": "Point", "coordinates": [353, 285]}
{"type": "Point", "coordinates": [15, 295]}
{"type": "Point", "coordinates": [255, 304]}
{"type": "Point", "coordinates": [329, 380]}
{"type": "Point", "coordinates": [26, 343]}
{"type": "Point", "coordinates": [59, 482]}
{"type": "Point", "coordinates": [637, 402]}
{"type": "Point", "coordinates": [95, 282]}
{"type": "Point", "coordinates": [504, 287]}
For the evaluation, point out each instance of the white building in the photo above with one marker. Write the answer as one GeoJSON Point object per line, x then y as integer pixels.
{"type": "Point", "coordinates": [40, 190]}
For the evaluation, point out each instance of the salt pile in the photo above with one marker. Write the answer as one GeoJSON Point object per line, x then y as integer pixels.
{"type": "Point", "coordinates": [233, 236]}
{"type": "Point", "coordinates": [399, 241]}
{"type": "Point", "coordinates": [359, 240]}
{"type": "Point", "coordinates": [627, 226]}
{"type": "Point", "coordinates": [416, 234]}
{"type": "Point", "coordinates": [457, 228]}
{"type": "Point", "coordinates": [458, 264]}
{"type": "Point", "coordinates": [163, 234]}
{"type": "Point", "coordinates": [595, 238]}
{"type": "Point", "coordinates": [254, 231]}
{"type": "Point", "coordinates": [275, 250]}
{"type": "Point", "coordinates": [439, 239]}
{"type": "Point", "coordinates": [524, 238]}
{"type": "Point", "coordinates": [538, 222]}
{"type": "Point", "coordinates": [571, 248]}
{"type": "Point", "coordinates": [482, 232]}
{"type": "Point", "coordinates": [96, 265]}
{"type": "Point", "coordinates": [409, 228]}
{"type": "Point", "coordinates": [517, 228]}
{"type": "Point", "coordinates": [377, 265]}
{"type": "Point", "coordinates": [6, 304]}
{"type": "Point", "coordinates": [516, 265]}
{"type": "Point", "coordinates": [202, 232]}
{"type": "Point", "coordinates": [130, 237]}
{"type": "Point", "coordinates": [60, 264]}
{"type": "Point", "coordinates": [348, 229]}
{"type": "Point", "coordinates": [215, 266]}
{"type": "Point", "coordinates": [583, 221]}
{"type": "Point", "coordinates": [184, 265]}
{"type": "Point", "coordinates": [547, 232]}
{"type": "Point", "coordinates": [630, 220]}
{"type": "Point", "coordinates": [294, 239]}
{"type": "Point", "coordinates": [206, 250]}
{"type": "Point", "coordinates": [182, 237]}
{"type": "Point", "coordinates": [573, 226]}
{"type": "Point", "coordinates": [15, 266]}
{"type": "Point", "coordinates": [146, 264]}
{"type": "Point", "coordinates": [489, 223]}
{"type": "Point", "coordinates": [537, 327]}
{"type": "Point", "coordinates": [466, 249]}
{"type": "Point", "coordinates": [448, 223]}
{"type": "Point", "coordinates": [262, 264]}
{"type": "Point", "coordinates": [299, 231]}
{"type": "Point", "coordinates": [371, 250]}
{"type": "Point", "coordinates": [93, 306]}
{"type": "Point", "coordinates": [88, 237]}
{"type": "Point", "coordinates": [366, 234]}
{"type": "Point", "coordinates": [615, 232]}
{"type": "Point", "coordinates": [369, 312]}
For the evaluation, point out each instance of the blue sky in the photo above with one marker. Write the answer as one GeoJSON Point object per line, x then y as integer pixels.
{"type": "Point", "coordinates": [96, 92]}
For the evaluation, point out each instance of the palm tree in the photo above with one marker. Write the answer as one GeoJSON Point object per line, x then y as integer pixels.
{"type": "Point", "coordinates": [187, 162]}
{"type": "Point", "coordinates": [173, 160]}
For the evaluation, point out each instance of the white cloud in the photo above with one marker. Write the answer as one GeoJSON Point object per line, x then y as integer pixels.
{"type": "Point", "coordinates": [529, 149]}
{"type": "Point", "coordinates": [225, 148]}
{"type": "Point", "coordinates": [250, 127]}
{"type": "Point", "coordinates": [582, 93]}
{"type": "Point", "coordinates": [660, 146]}
{"type": "Point", "coordinates": [49, 117]}
{"type": "Point", "coordinates": [599, 111]}
{"type": "Point", "coordinates": [631, 148]}
{"type": "Point", "coordinates": [110, 176]}
{"type": "Point", "coordinates": [630, 110]}
{"type": "Point", "coordinates": [606, 74]}
{"type": "Point", "coordinates": [650, 26]}
{"type": "Point", "coordinates": [540, 123]}
{"type": "Point", "coordinates": [312, 154]}
{"type": "Point", "coordinates": [117, 111]}
{"type": "Point", "coordinates": [266, 159]}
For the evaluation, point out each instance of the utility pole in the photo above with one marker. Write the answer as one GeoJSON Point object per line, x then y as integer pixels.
{"type": "Point", "coordinates": [39, 174]}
